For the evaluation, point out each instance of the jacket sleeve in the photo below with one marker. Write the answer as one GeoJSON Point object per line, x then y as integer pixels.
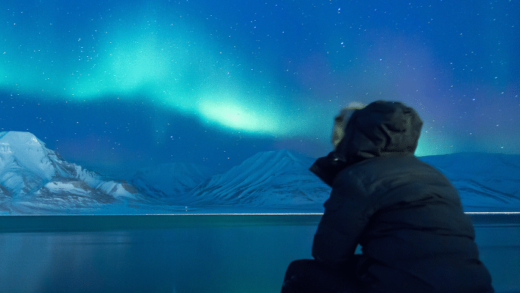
{"type": "Point", "coordinates": [347, 212]}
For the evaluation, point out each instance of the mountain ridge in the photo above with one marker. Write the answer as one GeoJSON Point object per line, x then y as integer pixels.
{"type": "Point", "coordinates": [36, 179]}
{"type": "Point", "coordinates": [257, 181]}
{"type": "Point", "coordinates": [169, 180]}
{"type": "Point", "coordinates": [32, 175]}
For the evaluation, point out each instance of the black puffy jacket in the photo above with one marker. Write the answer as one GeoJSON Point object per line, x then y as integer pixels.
{"type": "Point", "coordinates": [405, 214]}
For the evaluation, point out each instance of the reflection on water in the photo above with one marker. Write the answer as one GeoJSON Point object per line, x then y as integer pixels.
{"type": "Point", "coordinates": [241, 259]}
{"type": "Point", "coordinates": [203, 258]}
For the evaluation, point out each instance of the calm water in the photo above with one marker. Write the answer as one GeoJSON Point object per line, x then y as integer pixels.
{"type": "Point", "coordinates": [197, 253]}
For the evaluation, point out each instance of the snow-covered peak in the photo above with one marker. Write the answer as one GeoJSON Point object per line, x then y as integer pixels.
{"type": "Point", "coordinates": [274, 178]}
{"type": "Point", "coordinates": [272, 162]}
{"type": "Point", "coordinates": [26, 149]}
{"type": "Point", "coordinates": [172, 179]}
{"type": "Point", "coordinates": [26, 166]}
{"type": "Point", "coordinates": [20, 140]}
{"type": "Point", "coordinates": [266, 165]}
{"type": "Point", "coordinates": [25, 162]}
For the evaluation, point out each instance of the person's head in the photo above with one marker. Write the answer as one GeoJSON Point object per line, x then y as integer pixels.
{"type": "Point", "coordinates": [381, 128]}
{"type": "Point", "coordinates": [340, 121]}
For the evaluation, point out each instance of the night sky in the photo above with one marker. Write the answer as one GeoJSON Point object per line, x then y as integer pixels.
{"type": "Point", "coordinates": [118, 85]}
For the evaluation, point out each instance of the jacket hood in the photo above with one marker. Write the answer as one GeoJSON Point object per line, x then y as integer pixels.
{"type": "Point", "coordinates": [381, 129]}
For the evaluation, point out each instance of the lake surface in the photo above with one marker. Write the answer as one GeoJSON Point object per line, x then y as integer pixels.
{"type": "Point", "coordinates": [191, 253]}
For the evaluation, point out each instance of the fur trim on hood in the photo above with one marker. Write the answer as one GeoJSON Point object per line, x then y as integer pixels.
{"type": "Point", "coordinates": [382, 128]}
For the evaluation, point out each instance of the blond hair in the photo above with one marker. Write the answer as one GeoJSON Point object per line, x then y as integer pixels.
{"type": "Point", "coordinates": [340, 121]}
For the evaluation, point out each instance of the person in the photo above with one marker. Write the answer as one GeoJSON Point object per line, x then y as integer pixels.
{"type": "Point", "coordinates": [406, 216]}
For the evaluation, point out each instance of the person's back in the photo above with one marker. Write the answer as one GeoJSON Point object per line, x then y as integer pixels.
{"type": "Point", "coordinates": [406, 215]}
{"type": "Point", "coordinates": [410, 224]}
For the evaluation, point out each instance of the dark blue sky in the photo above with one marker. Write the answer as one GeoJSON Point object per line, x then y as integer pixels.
{"type": "Point", "coordinates": [114, 85]}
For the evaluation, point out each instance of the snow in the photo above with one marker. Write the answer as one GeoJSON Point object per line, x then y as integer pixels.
{"type": "Point", "coordinates": [57, 187]}
{"type": "Point", "coordinates": [484, 181]}
{"type": "Point", "coordinates": [33, 176]}
{"type": "Point", "coordinates": [169, 180]}
{"type": "Point", "coordinates": [34, 179]}
{"type": "Point", "coordinates": [25, 150]}
{"type": "Point", "coordinates": [117, 189]}
{"type": "Point", "coordinates": [278, 179]}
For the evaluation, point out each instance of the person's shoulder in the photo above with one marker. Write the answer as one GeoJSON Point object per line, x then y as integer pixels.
{"type": "Point", "coordinates": [382, 165]}
{"type": "Point", "coordinates": [393, 163]}
{"type": "Point", "coordinates": [388, 170]}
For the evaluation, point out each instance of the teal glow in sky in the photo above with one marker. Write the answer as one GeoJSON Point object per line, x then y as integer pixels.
{"type": "Point", "coordinates": [148, 52]}
{"type": "Point", "coordinates": [107, 82]}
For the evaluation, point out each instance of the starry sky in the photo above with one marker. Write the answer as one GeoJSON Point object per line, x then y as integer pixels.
{"type": "Point", "coordinates": [117, 85]}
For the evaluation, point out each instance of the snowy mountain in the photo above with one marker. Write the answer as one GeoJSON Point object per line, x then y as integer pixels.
{"type": "Point", "coordinates": [168, 181]}
{"type": "Point", "coordinates": [484, 181]}
{"type": "Point", "coordinates": [269, 179]}
{"type": "Point", "coordinates": [34, 177]}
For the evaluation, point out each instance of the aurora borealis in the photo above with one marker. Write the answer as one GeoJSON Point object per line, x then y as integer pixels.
{"type": "Point", "coordinates": [115, 85]}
